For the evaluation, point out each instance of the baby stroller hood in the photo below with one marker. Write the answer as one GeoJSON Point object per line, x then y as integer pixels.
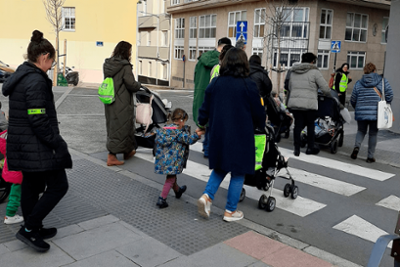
{"type": "Point", "coordinates": [160, 113]}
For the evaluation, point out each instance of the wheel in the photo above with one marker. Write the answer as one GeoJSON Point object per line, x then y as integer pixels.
{"type": "Point", "coordinates": [271, 202]}
{"type": "Point", "coordinates": [287, 134]}
{"type": "Point", "coordinates": [75, 83]}
{"type": "Point", "coordinates": [340, 144]}
{"type": "Point", "coordinates": [303, 141]}
{"type": "Point", "coordinates": [334, 146]}
{"type": "Point", "coordinates": [287, 189]}
{"type": "Point", "coordinates": [262, 202]}
{"type": "Point", "coordinates": [266, 187]}
{"type": "Point", "coordinates": [295, 192]}
{"type": "Point", "coordinates": [242, 195]}
{"type": "Point", "coordinates": [4, 189]}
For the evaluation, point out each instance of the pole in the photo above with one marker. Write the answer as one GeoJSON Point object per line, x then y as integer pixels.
{"type": "Point", "coordinates": [65, 56]}
{"type": "Point", "coordinates": [334, 63]}
{"type": "Point", "coordinates": [158, 47]}
{"type": "Point", "coordinates": [184, 63]}
{"type": "Point", "coordinates": [55, 70]}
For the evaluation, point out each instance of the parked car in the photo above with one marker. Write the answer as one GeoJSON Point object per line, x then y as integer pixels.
{"type": "Point", "coordinates": [5, 71]}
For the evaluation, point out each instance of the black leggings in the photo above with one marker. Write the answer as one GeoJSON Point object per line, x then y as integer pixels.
{"type": "Point", "coordinates": [54, 186]}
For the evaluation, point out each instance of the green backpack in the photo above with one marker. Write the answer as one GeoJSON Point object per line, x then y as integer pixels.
{"type": "Point", "coordinates": [106, 91]}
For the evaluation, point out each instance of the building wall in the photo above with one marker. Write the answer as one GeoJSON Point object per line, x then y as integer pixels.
{"type": "Point", "coordinates": [95, 21]}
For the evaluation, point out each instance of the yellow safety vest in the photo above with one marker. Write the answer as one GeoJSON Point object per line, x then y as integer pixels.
{"type": "Point", "coordinates": [215, 72]}
{"type": "Point", "coordinates": [343, 83]}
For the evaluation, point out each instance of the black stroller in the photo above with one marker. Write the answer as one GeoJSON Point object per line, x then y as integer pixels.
{"type": "Point", "coordinates": [278, 119]}
{"type": "Point", "coordinates": [264, 178]}
{"type": "Point", "coordinates": [161, 109]}
{"type": "Point", "coordinates": [328, 125]}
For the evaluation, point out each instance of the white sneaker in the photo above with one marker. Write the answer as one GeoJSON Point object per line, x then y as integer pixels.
{"type": "Point", "coordinates": [15, 219]}
{"type": "Point", "coordinates": [233, 216]}
{"type": "Point", "coordinates": [204, 206]}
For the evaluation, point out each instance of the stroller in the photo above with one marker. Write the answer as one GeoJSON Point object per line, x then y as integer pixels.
{"type": "Point", "coordinates": [328, 125]}
{"type": "Point", "coordinates": [278, 119]}
{"type": "Point", "coordinates": [264, 178]}
{"type": "Point", "coordinates": [161, 110]}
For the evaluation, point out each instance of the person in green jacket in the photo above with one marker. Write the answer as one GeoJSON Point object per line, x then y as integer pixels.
{"type": "Point", "coordinates": [202, 78]}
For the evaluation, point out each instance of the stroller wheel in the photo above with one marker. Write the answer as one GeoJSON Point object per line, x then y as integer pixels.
{"type": "Point", "coordinates": [242, 195]}
{"type": "Point", "coordinates": [271, 203]}
{"type": "Point", "coordinates": [295, 192]}
{"type": "Point", "coordinates": [287, 189]}
{"type": "Point", "coordinates": [262, 202]}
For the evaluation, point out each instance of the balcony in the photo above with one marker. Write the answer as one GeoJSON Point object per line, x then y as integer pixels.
{"type": "Point", "coordinates": [151, 52]}
{"type": "Point", "coordinates": [148, 22]}
{"type": "Point", "coordinates": [199, 5]}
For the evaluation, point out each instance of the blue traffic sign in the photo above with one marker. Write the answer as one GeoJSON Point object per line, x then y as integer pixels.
{"type": "Point", "coordinates": [241, 26]}
{"type": "Point", "coordinates": [241, 36]}
{"type": "Point", "coordinates": [335, 46]}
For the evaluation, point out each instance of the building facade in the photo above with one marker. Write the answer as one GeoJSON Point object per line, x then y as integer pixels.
{"type": "Point", "coordinates": [307, 26]}
{"type": "Point", "coordinates": [153, 43]}
{"type": "Point", "coordinates": [92, 30]}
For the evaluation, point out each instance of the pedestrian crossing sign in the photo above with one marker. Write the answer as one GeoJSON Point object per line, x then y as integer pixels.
{"type": "Point", "coordinates": [335, 46]}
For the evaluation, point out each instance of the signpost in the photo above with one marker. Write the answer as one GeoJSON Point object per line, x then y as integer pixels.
{"type": "Point", "coordinates": [335, 48]}
{"type": "Point", "coordinates": [241, 31]}
{"type": "Point", "coordinates": [184, 62]}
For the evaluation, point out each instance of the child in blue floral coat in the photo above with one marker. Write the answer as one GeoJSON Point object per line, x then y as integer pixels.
{"type": "Point", "coordinates": [172, 152]}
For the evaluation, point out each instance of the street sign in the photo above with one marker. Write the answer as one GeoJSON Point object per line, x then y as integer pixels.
{"type": "Point", "coordinates": [241, 26]}
{"type": "Point", "coordinates": [335, 46]}
{"type": "Point", "coordinates": [241, 36]}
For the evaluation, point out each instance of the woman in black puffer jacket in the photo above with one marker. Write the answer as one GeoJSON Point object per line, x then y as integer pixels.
{"type": "Point", "coordinates": [34, 143]}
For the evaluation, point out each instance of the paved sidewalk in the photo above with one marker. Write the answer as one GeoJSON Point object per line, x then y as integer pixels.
{"type": "Point", "coordinates": [109, 218]}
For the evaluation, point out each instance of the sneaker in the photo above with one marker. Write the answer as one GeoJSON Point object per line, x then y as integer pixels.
{"type": "Point", "coordinates": [204, 206]}
{"type": "Point", "coordinates": [14, 219]}
{"type": "Point", "coordinates": [233, 216]}
{"type": "Point", "coordinates": [46, 233]}
{"type": "Point", "coordinates": [162, 203]}
{"type": "Point", "coordinates": [181, 190]}
{"type": "Point", "coordinates": [370, 160]}
{"type": "Point", "coordinates": [354, 153]}
{"type": "Point", "coordinates": [32, 239]}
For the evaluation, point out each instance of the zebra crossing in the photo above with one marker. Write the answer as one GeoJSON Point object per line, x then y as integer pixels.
{"type": "Point", "coordinates": [305, 206]}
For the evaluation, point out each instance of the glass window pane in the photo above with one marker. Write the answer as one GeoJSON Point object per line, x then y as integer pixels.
{"type": "Point", "coordinates": [230, 33]}
{"type": "Point", "coordinates": [323, 16]}
{"type": "Point", "coordinates": [353, 62]}
{"type": "Point", "coordinates": [294, 58]}
{"type": "Point", "coordinates": [363, 37]}
{"type": "Point", "coordinates": [361, 62]}
{"type": "Point", "coordinates": [202, 21]}
{"type": "Point", "coordinates": [213, 32]}
{"type": "Point", "coordinates": [305, 32]}
{"type": "Point", "coordinates": [356, 35]}
{"type": "Point", "coordinates": [328, 32]}
{"type": "Point", "coordinates": [349, 19]}
{"type": "Point", "coordinates": [348, 34]}
{"type": "Point", "coordinates": [208, 22]}
{"type": "Point", "coordinates": [231, 18]}
{"type": "Point", "coordinates": [364, 21]}
{"type": "Point", "coordinates": [244, 15]}
{"type": "Point", "coordinates": [256, 30]}
{"type": "Point", "coordinates": [384, 23]}
{"type": "Point", "coordinates": [306, 15]}
{"type": "Point", "coordinates": [214, 20]}
{"type": "Point", "coordinates": [201, 33]}
{"type": "Point", "coordinates": [297, 30]}
{"type": "Point", "coordinates": [275, 58]}
{"type": "Point", "coordinates": [207, 34]}
{"type": "Point", "coordinates": [284, 59]}
{"type": "Point", "coordinates": [285, 31]}
{"type": "Point", "coordinates": [298, 15]}
{"type": "Point", "coordinates": [329, 17]}
{"type": "Point", "coordinates": [261, 31]}
{"type": "Point", "coordinates": [357, 20]}
{"type": "Point", "coordinates": [286, 15]}
{"type": "Point", "coordinates": [319, 60]}
{"type": "Point", "coordinates": [322, 32]}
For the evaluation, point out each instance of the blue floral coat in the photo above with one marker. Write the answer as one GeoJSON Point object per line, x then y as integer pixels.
{"type": "Point", "coordinates": [172, 149]}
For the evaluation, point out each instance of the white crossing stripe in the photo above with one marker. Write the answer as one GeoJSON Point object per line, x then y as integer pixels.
{"type": "Point", "coordinates": [319, 181]}
{"type": "Point", "coordinates": [299, 206]}
{"type": "Point", "coordinates": [391, 202]}
{"type": "Point", "coordinates": [335, 164]}
{"type": "Point", "coordinates": [357, 226]}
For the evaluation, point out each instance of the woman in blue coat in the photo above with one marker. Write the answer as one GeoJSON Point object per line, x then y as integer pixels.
{"type": "Point", "coordinates": [365, 100]}
{"type": "Point", "coordinates": [233, 109]}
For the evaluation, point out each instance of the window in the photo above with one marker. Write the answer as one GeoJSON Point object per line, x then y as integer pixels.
{"type": "Point", "coordinates": [325, 27]}
{"type": "Point", "coordinates": [180, 28]}
{"type": "Point", "coordinates": [144, 8]}
{"type": "Point", "coordinates": [192, 53]}
{"type": "Point", "coordinates": [259, 22]}
{"type": "Point", "coordinates": [68, 18]}
{"type": "Point", "coordinates": [384, 28]}
{"type": "Point", "coordinates": [323, 59]}
{"type": "Point", "coordinates": [356, 59]}
{"type": "Point", "coordinates": [174, 2]}
{"type": "Point", "coordinates": [163, 6]}
{"type": "Point", "coordinates": [164, 39]}
{"type": "Point", "coordinates": [149, 69]}
{"type": "Point", "coordinates": [179, 51]}
{"type": "Point", "coordinates": [356, 27]}
{"type": "Point", "coordinates": [258, 51]}
{"type": "Point", "coordinates": [295, 22]}
{"type": "Point", "coordinates": [165, 71]}
{"type": "Point", "coordinates": [193, 27]}
{"type": "Point", "coordinates": [140, 67]}
{"type": "Point", "coordinates": [205, 49]}
{"type": "Point", "coordinates": [288, 56]}
{"type": "Point", "coordinates": [208, 26]}
{"type": "Point", "coordinates": [148, 38]}
{"type": "Point", "coordinates": [234, 17]}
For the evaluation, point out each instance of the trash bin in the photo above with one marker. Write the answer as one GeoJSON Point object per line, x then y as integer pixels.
{"type": "Point", "coordinates": [61, 81]}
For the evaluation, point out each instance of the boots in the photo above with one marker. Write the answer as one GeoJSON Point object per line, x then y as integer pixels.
{"type": "Point", "coordinates": [112, 160]}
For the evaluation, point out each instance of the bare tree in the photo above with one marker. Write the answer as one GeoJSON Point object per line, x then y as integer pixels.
{"type": "Point", "coordinates": [276, 16]}
{"type": "Point", "coordinates": [54, 16]}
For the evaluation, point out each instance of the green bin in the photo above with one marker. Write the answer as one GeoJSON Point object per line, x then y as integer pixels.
{"type": "Point", "coordinates": [61, 81]}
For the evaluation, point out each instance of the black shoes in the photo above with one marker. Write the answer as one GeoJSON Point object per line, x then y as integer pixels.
{"type": "Point", "coordinates": [47, 233]}
{"type": "Point", "coordinates": [181, 190]}
{"type": "Point", "coordinates": [296, 152]}
{"type": "Point", "coordinates": [371, 160]}
{"type": "Point", "coordinates": [162, 203]}
{"type": "Point", "coordinates": [33, 239]}
{"type": "Point", "coordinates": [355, 153]}
{"type": "Point", "coordinates": [312, 151]}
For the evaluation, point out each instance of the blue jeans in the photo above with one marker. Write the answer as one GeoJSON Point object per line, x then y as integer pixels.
{"type": "Point", "coordinates": [373, 135]}
{"type": "Point", "coordinates": [234, 190]}
{"type": "Point", "coordinates": [206, 141]}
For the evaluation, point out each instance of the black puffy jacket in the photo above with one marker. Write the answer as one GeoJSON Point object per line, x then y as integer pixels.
{"type": "Point", "coordinates": [260, 76]}
{"type": "Point", "coordinates": [34, 142]}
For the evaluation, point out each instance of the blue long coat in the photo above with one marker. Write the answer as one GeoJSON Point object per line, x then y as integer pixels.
{"type": "Point", "coordinates": [232, 107]}
{"type": "Point", "coordinates": [365, 100]}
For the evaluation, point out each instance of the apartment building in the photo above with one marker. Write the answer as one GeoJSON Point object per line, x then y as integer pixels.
{"type": "Point", "coordinates": [92, 30]}
{"type": "Point", "coordinates": [360, 26]}
{"type": "Point", "coordinates": [153, 43]}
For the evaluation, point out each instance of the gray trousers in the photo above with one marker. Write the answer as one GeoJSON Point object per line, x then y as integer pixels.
{"type": "Point", "coordinates": [373, 135]}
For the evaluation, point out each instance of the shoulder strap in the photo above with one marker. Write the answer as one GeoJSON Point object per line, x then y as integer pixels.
{"type": "Point", "coordinates": [377, 91]}
{"type": "Point", "coordinates": [383, 88]}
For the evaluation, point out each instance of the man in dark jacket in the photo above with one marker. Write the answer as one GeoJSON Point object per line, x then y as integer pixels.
{"type": "Point", "coordinates": [202, 78]}
{"type": "Point", "coordinates": [260, 76]}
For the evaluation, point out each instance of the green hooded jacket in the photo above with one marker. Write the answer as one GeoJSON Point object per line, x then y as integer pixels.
{"type": "Point", "coordinates": [202, 78]}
